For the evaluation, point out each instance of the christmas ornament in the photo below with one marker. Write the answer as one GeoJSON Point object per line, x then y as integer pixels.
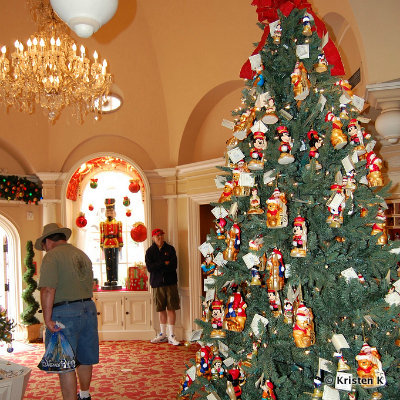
{"type": "Point", "coordinates": [318, 392]}
{"type": "Point", "coordinates": [10, 349]}
{"type": "Point", "coordinates": [379, 228]}
{"type": "Point", "coordinates": [286, 145]}
{"type": "Point", "coordinates": [238, 190]}
{"type": "Point", "coordinates": [203, 362]}
{"type": "Point", "coordinates": [349, 186]}
{"type": "Point", "coordinates": [306, 26]}
{"type": "Point", "coordinates": [276, 210]}
{"type": "Point", "coordinates": [343, 112]}
{"type": "Point", "coordinates": [338, 138]}
{"type": "Point", "coordinates": [217, 369]}
{"type": "Point", "coordinates": [356, 137]}
{"type": "Point", "coordinates": [275, 271]}
{"type": "Point", "coordinates": [235, 380]}
{"type": "Point", "coordinates": [322, 65]}
{"type": "Point", "coordinates": [134, 185]}
{"type": "Point", "coordinates": [268, 390]}
{"type": "Point", "coordinates": [342, 363]}
{"type": "Point", "coordinates": [227, 192]}
{"type": "Point", "coordinates": [352, 395]}
{"type": "Point", "coordinates": [126, 201]}
{"type": "Point", "coordinates": [257, 152]}
{"type": "Point", "coordinates": [245, 123]}
{"type": "Point", "coordinates": [139, 232]}
{"type": "Point", "coordinates": [299, 237]}
{"type": "Point", "coordinates": [255, 203]}
{"type": "Point", "coordinates": [336, 204]}
{"type": "Point", "coordinates": [235, 315]}
{"type": "Point", "coordinates": [277, 33]}
{"type": "Point", "coordinates": [233, 243]}
{"type": "Point", "coordinates": [90, 207]}
{"type": "Point", "coordinates": [370, 367]}
{"type": "Point", "coordinates": [315, 142]}
{"type": "Point", "coordinates": [208, 266]}
{"type": "Point", "coordinates": [347, 93]}
{"type": "Point", "coordinates": [81, 221]}
{"type": "Point", "coordinates": [93, 183]}
{"type": "Point", "coordinates": [274, 302]}
{"type": "Point", "coordinates": [288, 312]}
{"type": "Point", "coordinates": [376, 396]}
{"type": "Point", "coordinates": [300, 81]}
{"type": "Point", "coordinates": [270, 116]}
{"type": "Point", "coordinates": [128, 213]}
{"type": "Point", "coordinates": [185, 384]}
{"type": "Point", "coordinates": [217, 319]}
{"type": "Point", "coordinates": [374, 166]}
{"type": "Point", "coordinates": [303, 330]}
{"type": "Point", "coordinates": [220, 228]}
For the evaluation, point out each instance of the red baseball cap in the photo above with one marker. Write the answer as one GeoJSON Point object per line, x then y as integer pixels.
{"type": "Point", "coordinates": [157, 232]}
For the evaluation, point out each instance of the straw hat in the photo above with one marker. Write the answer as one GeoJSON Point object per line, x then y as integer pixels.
{"type": "Point", "coordinates": [51, 229]}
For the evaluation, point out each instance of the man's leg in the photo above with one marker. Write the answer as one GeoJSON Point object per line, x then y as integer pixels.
{"type": "Point", "coordinates": [171, 316]}
{"type": "Point", "coordinates": [68, 385]}
{"type": "Point", "coordinates": [84, 376]}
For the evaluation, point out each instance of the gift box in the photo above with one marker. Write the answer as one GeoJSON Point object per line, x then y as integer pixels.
{"type": "Point", "coordinates": [137, 278]}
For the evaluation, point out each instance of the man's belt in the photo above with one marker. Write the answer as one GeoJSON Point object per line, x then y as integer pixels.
{"type": "Point", "coordinates": [62, 303]}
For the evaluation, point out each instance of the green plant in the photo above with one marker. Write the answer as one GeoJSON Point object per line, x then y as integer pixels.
{"type": "Point", "coordinates": [28, 315]}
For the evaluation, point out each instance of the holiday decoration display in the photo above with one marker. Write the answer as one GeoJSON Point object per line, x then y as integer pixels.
{"type": "Point", "coordinates": [6, 326]}
{"type": "Point", "coordinates": [81, 220]}
{"type": "Point", "coordinates": [208, 266]}
{"type": "Point", "coordinates": [303, 272]}
{"type": "Point", "coordinates": [93, 183]}
{"type": "Point", "coordinates": [134, 185]}
{"type": "Point", "coordinates": [139, 232]}
{"type": "Point", "coordinates": [19, 188]}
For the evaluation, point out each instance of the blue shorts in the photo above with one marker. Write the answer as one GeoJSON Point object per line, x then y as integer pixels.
{"type": "Point", "coordinates": [80, 320]}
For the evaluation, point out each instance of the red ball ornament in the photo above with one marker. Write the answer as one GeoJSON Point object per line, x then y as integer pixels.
{"type": "Point", "coordinates": [139, 232]}
{"type": "Point", "coordinates": [93, 183]}
{"type": "Point", "coordinates": [81, 221]}
{"type": "Point", "coordinates": [91, 207]}
{"type": "Point", "coordinates": [134, 185]}
{"type": "Point", "coordinates": [128, 213]}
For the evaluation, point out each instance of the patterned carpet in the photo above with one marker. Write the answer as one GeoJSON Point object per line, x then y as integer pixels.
{"type": "Point", "coordinates": [127, 370]}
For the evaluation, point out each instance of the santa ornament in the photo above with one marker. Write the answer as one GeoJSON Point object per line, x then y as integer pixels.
{"type": "Point", "coordinates": [338, 138]}
{"type": "Point", "coordinates": [277, 210]}
{"type": "Point", "coordinates": [374, 166]}
{"type": "Point", "coordinates": [370, 367]}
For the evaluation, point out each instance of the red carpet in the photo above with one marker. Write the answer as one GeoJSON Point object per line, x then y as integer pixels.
{"type": "Point", "coordinates": [127, 370]}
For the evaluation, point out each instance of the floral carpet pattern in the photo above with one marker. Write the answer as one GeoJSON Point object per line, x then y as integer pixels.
{"type": "Point", "coordinates": [127, 370]}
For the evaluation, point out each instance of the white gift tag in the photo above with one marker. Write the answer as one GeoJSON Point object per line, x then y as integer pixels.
{"type": "Point", "coordinates": [254, 324]}
{"type": "Point", "coordinates": [206, 249]}
{"type": "Point", "coordinates": [262, 100]}
{"type": "Point", "coordinates": [220, 181]}
{"type": "Point", "coordinates": [209, 283]}
{"type": "Point", "coordinates": [213, 396]}
{"type": "Point", "coordinates": [210, 294]}
{"type": "Point", "coordinates": [349, 273]}
{"type": "Point", "coordinates": [255, 61]}
{"type": "Point", "coordinates": [235, 155]}
{"type": "Point", "coordinates": [330, 393]}
{"type": "Point", "coordinates": [233, 209]}
{"type": "Point", "coordinates": [348, 164]}
{"type": "Point", "coordinates": [273, 26]}
{"type": "Point", "coordinates": [228, 124]}
{"type": "Point", "coordinates": [336, 201]}
{"type": "Point", "coordinates": [250, 260]}
{"type": "Point", "coordinates": [363, 120]}
{"type": "Point", "coordinates": [397, 285]}
{"type": "Point", "coordinates": [219, 212]}
{"type": "Point", "coordinates": [364, 180]}
{"type": "Point", "coordinates": [370, 146]}
{"type": "Point", "coordinates": [358, 102]}
{"type": "Point", "coordinates": [287, 270]}
{"type": "Point", "coordinates": [340, 342]}
{"type": "Point", "coordinates": [344, 99]}
{"type": "Point", "coordinates": [370, 321]}
{"type": "Point", "coordinates": [303, 51]}
{"type": "Point", "coordinates": [223, 348]}
{"type": "Point", "coordinates": [219, 259]}
{"type": "Point", "coordinates": [240, 135]}
{"type": "Point", "coordinates": [286, 115]}
{"type": "Point", "coordinates": [196, 335]}
{"type": "Point", "coordinates": [259, 126]}
{"type": "Point", "coordinates": [303, 146]}
{"type": "Point", "coordinates": [229, 361]}
{"type": "Point", "coordinates": [393, 298]}
{"type": "Point", "coordinates": [325, 40]}
{"type": "Point", "coordinates": [324, 365]}
{"type": "Point", "coordinates": [343, 381]}
{"type": "Point", "coordinates": [191, 372]}
{"type": "Point", "coordinates": [322, 101]}
{"type": "Point", "coordinates": [269, 176]}
{"type": "Point", "coordinates": [246, 179]}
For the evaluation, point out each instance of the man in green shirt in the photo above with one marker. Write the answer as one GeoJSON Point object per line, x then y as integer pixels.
{"type": "Point", "coordinates": [66, 290]}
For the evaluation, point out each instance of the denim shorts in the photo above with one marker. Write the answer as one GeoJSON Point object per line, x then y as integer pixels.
{"type": "Point", "coordinates": [80, 320]}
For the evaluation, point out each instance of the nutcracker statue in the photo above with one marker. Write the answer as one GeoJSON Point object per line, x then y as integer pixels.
{"type": "Point", "coordinates": [111, 242]}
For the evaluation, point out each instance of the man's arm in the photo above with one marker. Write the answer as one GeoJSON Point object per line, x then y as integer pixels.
{"type": "Point", "coordinates": [47, 299]}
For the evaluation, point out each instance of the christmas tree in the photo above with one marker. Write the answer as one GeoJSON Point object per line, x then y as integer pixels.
{"type": "Point", "coordinates": [302, 300]}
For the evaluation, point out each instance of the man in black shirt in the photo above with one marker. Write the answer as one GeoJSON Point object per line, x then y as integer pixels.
{"type": "Point", "coordinates": [161, 263]}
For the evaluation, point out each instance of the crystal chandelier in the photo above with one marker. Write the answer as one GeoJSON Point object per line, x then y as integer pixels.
{"type": "Point", "coordinates": [51, 72]}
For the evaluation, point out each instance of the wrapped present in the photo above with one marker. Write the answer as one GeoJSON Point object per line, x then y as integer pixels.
{"type": "Point", "coordinates": [137, 278]}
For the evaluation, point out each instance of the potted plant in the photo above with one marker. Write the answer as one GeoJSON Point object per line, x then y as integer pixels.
{"type": "Point", "coordinates": [31, 323]}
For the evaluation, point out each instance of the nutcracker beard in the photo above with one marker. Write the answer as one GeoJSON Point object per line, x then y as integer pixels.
{"type": "Point", "coordinates": [111, 258]}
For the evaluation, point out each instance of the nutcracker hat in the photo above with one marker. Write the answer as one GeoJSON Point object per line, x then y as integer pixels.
{"type": "Point", "coordinates": [312, 134]}
{"type": "Point", "coordinates": [216, 304]}
{"type": "Point", "coordinates": [216, 359]}
{"type": "Point", "coordinates": [110, 203]}
{"type": "Point", "coordinates": [282, 129]}
{"type": "Point", "coordinates": [258, 135]}
{"type": "Point", "coordinates": [51, 229]}
{"type": "Point", "coordinates": [299, 221]}
{"type": "Point", "coordinates": [353, 122]}
{"type": "Point", "coordinates": [157, 232]}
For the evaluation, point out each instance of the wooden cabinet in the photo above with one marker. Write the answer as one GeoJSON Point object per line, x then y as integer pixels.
{"type": "Point", "coordinates": [124, 315]}
{"type": "Point", "coordinates": [393, 219]}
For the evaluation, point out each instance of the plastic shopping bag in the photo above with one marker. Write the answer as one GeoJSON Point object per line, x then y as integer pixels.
{"type": "Point", "coordinates": [59, 356]}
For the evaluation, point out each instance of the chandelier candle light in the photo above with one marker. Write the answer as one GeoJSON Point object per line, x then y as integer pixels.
{"type": "Point", "coordinates": [51, 73]}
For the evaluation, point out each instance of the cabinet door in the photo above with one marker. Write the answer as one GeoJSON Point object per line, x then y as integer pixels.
{"type": "Point", "coordinates": [137, 312]}
{"type": "Point", "coordinates": [109, 312]}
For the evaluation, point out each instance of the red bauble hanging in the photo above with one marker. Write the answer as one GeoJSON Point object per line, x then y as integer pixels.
{"type": "Point", "coordinates": [134, 185]}
{"type": "Point", "coordinates": [93, 183]}
{"type": "Point", "coordinates": [139, 232]}
{"type": "Point", "coordinates": [128, 213]}
{"type": "Point", "coordinates": [91, 208]}
{"type": "Point", "coordinates": [81, 221]}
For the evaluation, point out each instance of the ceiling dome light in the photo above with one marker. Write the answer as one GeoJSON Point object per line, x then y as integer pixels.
{"type": "Point", "coordinates": [85, 17]}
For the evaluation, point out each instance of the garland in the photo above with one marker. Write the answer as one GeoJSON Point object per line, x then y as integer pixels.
{"type": "Point", "coordinates": [18, 188]}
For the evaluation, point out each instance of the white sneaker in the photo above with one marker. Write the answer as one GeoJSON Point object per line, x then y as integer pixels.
{"type": "Point", "coordinates": [172, 340]}
{"type": "Point", "coordinates": [162, 337]}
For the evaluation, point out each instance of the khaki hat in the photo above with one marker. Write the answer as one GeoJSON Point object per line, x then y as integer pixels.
{"type": "Point", "coordinates": [51, 229]}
